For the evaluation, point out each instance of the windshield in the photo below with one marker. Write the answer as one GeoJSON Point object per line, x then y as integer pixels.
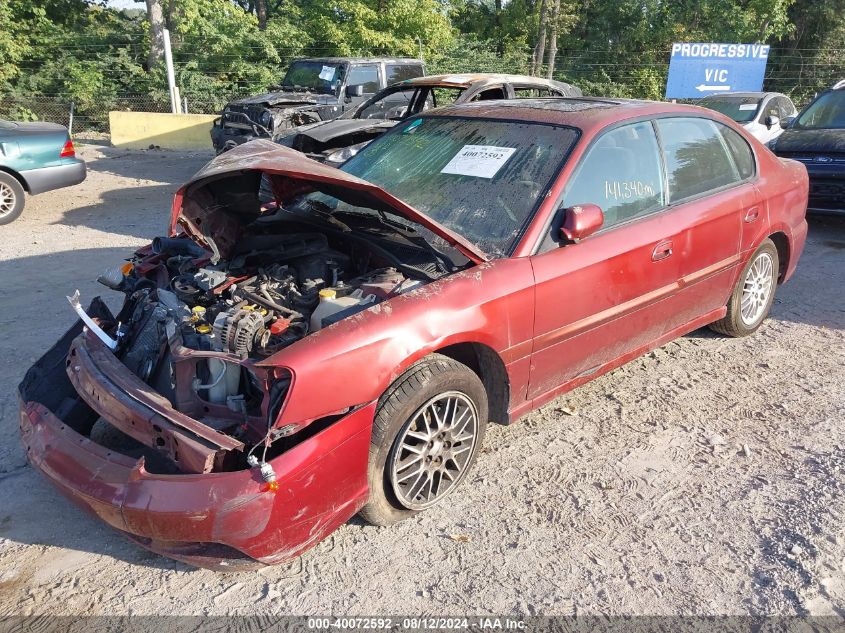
{"type": "Point", "coordinates": [740, 109]}
{"type": "Point", "coordinates": [827, 112]}
{"type": "Point", "coordinates": [315, 76]}
{"type": "Point", "coordinates": [481, 178]}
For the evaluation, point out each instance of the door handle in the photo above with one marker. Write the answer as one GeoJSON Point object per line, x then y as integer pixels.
{"type": "Point", "coordinates": [752, 214]}
{"type": "Point", "coordinates": [662, 251]}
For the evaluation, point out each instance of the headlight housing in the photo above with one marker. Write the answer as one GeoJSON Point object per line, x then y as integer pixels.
{"type": "Point", "coordinates": [266, 119]}
{"type": "Point", "coordinates": [345, 153]}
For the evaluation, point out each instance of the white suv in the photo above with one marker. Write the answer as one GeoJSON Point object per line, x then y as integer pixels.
{"type": "Point", "coordinates": [759, 112]}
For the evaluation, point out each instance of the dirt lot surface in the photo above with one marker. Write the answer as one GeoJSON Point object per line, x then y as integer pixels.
{"type": "Point", "coordinates": [707, 477]}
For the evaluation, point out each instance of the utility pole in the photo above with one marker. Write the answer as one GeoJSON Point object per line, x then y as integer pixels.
{"type": "Point", "coordinates": [175, 105]}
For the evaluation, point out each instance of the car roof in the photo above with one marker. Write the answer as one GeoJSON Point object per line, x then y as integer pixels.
{"type": "Point", "coordinates": [580, 112]}
{"type": "Point", "coordinates": [464, 80]}
{"type": "Point", "coordinates": [839, 85]}
{"type": "Point", "coordinates": [339, 60]}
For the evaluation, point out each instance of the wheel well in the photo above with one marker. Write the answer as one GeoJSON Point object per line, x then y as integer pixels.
{"type": "Point", "coordinates": [781, 243]}
{"type": "Point", "coordinates": [16, 176]}
{"type": "Point", "coordinates": [488, 366]}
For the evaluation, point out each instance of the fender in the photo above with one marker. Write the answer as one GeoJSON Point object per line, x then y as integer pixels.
{"type": "Point", "coordinates": [353, 361]}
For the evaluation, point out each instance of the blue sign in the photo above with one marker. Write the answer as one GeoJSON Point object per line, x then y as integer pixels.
{"type": "Point", "coordinates": [699, 70]}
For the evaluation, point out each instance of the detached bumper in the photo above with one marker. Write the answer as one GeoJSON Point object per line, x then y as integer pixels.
{"type": "Point", "coordinates": [49, 178]}
{"type": "Point", "coordinates": [219, 520]}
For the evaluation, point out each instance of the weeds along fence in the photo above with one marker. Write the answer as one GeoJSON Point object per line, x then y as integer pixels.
{"type": "Point", "coordinates": [799, 73]}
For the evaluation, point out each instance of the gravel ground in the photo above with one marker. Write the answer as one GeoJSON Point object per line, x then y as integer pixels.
{"type": "Point", "coordinates": [707, 477]}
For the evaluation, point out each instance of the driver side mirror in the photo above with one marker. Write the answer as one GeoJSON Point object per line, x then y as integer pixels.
{"type": "Point", "coordinates": [785, 123]}
{"type": "Point", "coordinates": [356, 90]}
{"type": "Point", "coordinates": [580, 221]}
{"type": "Point", "coordinates": [772, 121]}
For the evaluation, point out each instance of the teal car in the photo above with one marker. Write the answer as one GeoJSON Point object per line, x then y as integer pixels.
{"type": "Point", "coordinates": [34, 158]}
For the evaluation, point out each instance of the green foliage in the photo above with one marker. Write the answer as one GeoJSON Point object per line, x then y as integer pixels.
{"type": "Point", "coordinates": [85, 52]}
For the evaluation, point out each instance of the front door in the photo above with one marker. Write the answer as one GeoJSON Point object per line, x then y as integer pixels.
{"type": "Point", "coordinates": [612, 292]}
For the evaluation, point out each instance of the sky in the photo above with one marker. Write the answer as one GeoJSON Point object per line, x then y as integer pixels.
{"type": "Point", "coordinates": [126, 4]}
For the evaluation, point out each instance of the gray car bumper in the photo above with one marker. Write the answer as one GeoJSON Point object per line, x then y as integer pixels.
{"type": "Point", "coordinates": [47, 178]}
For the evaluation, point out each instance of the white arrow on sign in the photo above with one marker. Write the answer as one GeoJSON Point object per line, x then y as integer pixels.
{"type": "Point", "coordinates": [703, 88]}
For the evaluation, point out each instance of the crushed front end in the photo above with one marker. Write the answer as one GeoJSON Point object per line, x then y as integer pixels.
{"type": "Point", "coordinates": [171, 420]}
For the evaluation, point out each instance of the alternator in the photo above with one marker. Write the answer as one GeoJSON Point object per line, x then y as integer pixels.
{"type": "Point", "coordinates": [238, 332]}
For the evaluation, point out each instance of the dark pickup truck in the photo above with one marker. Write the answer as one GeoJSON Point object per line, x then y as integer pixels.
{"type": "Point", "coordinates": [313, 90]}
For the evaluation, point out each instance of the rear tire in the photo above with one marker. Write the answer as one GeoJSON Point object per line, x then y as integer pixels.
{"type": "Point", "coordinates": [12, 198]}
{"type": "Point", "coordinates": [753, 294]}
{"type": "Point", "coordinates": [427, 431]}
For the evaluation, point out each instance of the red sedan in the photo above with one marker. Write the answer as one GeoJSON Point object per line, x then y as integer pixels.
{"type": "Point", "coordinates": [310, 343]}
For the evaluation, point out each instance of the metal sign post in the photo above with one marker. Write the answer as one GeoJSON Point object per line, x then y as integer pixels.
{"type": "Point", "coordinates": [701, 69]}
{"type": "Point", "coordinates": [175, 105]}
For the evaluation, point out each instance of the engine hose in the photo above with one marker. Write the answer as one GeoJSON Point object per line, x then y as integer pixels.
{"type": "Point", "coordinates": [269, 304]}
{"type": "Point", "coordinates": [198, 387]}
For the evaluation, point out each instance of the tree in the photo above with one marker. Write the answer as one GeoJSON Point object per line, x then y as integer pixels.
{"type": "Point", "coordinates": [540, 45]}
{"type": "Point", "coordinates": [155, 16]}
{"type": "Point", "coordinates": [555, 21]}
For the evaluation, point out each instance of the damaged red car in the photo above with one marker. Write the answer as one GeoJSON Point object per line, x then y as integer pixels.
{"type": "Point", "coordinates": [309, 343]}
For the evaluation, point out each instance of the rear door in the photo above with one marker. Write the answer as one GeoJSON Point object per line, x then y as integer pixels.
{"type": "Point", "coordinates": [611, 293]}
{"type": "Point", "coordinates": [713, 197]}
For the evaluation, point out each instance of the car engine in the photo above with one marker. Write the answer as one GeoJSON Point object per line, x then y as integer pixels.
{"type": "Point", "coordinates": [273, 291]}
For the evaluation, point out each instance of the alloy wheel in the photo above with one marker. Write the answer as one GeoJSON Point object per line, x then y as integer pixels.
{"type": "Point", "coordinates": [757, 289]}
{"type": "Point", "coordinates": [433, 449]}
{"type": "Point", "coordinates": [8, 199]}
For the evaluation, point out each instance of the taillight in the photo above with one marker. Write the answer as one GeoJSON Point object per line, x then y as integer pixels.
{"type": "Point", "coordinates": [68, 150]}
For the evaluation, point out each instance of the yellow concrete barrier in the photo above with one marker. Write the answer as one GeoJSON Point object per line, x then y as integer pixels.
{"type": "Point", "coordinates": [139, 130]}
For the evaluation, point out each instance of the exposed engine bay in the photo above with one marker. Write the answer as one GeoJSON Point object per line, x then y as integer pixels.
{"type": "Point", "coordinates": [185, 375]}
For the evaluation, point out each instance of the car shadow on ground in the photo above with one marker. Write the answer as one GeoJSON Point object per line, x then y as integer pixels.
{"type": "Point", "coordinates": [135, 190]}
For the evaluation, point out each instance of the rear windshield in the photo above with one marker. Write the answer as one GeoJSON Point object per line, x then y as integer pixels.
{"type": "Point", "coordinates": [740, 109]}
{"type": "Point", "coordinates": [827, 112]}
{"type": "Point", "coordinates": [481, 178]}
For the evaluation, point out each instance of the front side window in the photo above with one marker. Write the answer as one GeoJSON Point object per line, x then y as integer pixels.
{"type": "Point", "coordinates": [620, 173]}
{"type": "Point", "coordinates": [366, 76]}
{"type": "Point", "coordinates": [696, 157]}
{"type": "Point", "coordinates": [393, 104]}
{"type": "Point", "coordinates": [481, 178]}
{"type": "Point", "coordinates": [827, 112]}
{"type": "Point", "coordinates": [770, 109]}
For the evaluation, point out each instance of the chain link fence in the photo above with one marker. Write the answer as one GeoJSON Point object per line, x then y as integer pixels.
{"type": "Point", "coordinates": [797, 73]}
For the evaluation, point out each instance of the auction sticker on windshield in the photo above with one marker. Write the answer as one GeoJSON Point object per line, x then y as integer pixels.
{"type": "Point", "coordinates": [327, 74]}
{"type": "Point", "coordinates": [481, 161]}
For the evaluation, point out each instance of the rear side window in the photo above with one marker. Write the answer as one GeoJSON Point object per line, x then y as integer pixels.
{"type": "Point", "coordinates": [535, 93]}
{"type": "Point", "coordinates": [740, 151]}
{"type": "Point", "coordinates": [696, 157]}
{"type": "Point", "coordinates": [401, 72]}
{"type": "Point", "coordinates": [621, 174]}
{"type": "Point", "coordinates": [367, 76]}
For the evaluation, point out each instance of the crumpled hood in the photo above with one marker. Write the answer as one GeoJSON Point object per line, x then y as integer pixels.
{"type": "Point", "coordinates": [329, 130]}
{"type": "Point", "coordinates": [813, 141]}
{"type": "Point", "coordinates": [285, 97]}
{"type": "Point", "coordinates": [197, 211]}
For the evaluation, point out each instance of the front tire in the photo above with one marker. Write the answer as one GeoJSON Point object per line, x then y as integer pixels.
{"type": "Point", "coordinates": [427, 431]}
{"type": "Point", "coordinates": [11, 198]}
{"type": "Point", "coordinates": [753, 294]}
